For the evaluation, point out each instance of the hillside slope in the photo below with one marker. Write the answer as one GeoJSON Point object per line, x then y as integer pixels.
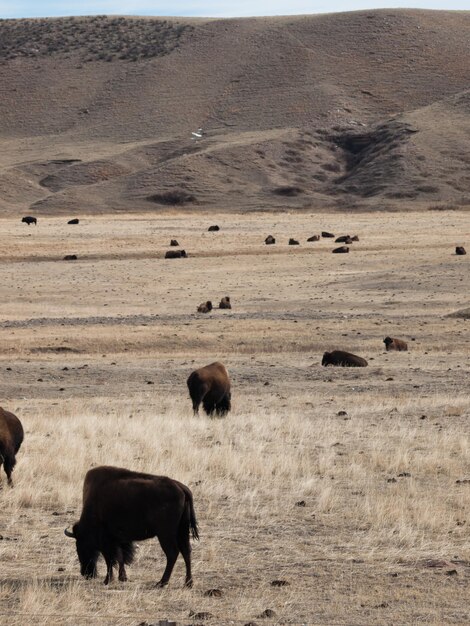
{"type": "Point", "coordinates": [332, 111]}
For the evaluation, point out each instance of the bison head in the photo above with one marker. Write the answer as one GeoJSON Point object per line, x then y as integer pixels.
{"type": "Point", "coordinates": [388, 341]}
{"type": "Point", "coordinates": [326, 359]}
{"type": "Point", "coordinates": [86, 550]}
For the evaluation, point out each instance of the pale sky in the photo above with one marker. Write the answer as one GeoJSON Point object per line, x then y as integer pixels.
{"type": "Point", "coordinates": [212, 8]}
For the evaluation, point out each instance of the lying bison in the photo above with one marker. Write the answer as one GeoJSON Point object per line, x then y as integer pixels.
{"type": "Point", "coordinates": [293, 242]}
{"type": "Point", "coordinates": [314, 238]}
{"type": "Point", "coordinates": [343, 359]}
{"type": "Point", "coordinates": [70, 257]}
{"type": "Point", "coordinates": [211, 386]}
{"type": "Point", "coordinates": [205, 307]}
{"type": "Point", "coordinates": [29, 219]}
{"type": "Point", "coordinates": [120, 507]}
{"type": "Point", "coordinates": [341, 250]}
{"type": "Point", "coordinates": [460, 250]}
{"type": "Point", "coordinates": [174, 242]}
{"type": "Point", "coordinates": [395, 344]}
{"type": "Point", "coordinates": [176, 254]}
{"type": "Point", "coordinates": [225, 303]}
{"type": "Point", "coordinates": [11, 438]}
{"type": "Point", "coordinates": [344, 239]}
{"type": "Point", "coordinates": [74, 221]}
{"type": "Point", "coordinates": [269, 240]}
{"type": "Point", "coordinates": [214, 228]}
{"type": "Point", "coordinates": [327, 234]}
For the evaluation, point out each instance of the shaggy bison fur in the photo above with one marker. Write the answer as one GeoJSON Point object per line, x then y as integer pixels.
{"type": "Point", "coordinates": [211, 386]}
{"type": "Point", "coordinates": [343, 359]}
{"type": "Point", "coordinates": [11, 438]}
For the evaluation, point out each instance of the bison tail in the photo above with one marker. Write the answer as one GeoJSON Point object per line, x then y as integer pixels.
{"type": "Point", "coordinates": [192, 516]}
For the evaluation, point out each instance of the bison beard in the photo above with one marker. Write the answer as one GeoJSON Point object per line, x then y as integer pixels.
{"type": "Point", "coordinates": [211, 386]}
{"type": "Point", "coordinates": [120, 507]}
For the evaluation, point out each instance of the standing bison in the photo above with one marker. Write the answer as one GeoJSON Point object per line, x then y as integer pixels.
{"type": "Point", "coordinates": [343, 359]}
{"type": "Point", "coordinates": [11, 438]}
{"type": "Point", "coordinates": [29, 219]}
{"type": "Point", "coordinates": [211, 386]}
{"type": "Point", "coordinates": [120, 507]}
{"type": "Point", "coordinates": [395, 344]}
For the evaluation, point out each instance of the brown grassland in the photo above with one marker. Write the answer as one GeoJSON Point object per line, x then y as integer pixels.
{"type": "Point", "coordinates": [383, 537]}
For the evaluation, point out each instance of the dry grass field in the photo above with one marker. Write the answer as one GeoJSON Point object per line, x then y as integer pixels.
{"type": "Point", "coordinates": [94, 357]}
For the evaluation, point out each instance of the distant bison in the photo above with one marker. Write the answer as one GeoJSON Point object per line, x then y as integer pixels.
{"type": "Point", "coordinates": [459, 250]}
{"type": "Point", "coordinates": [341, 250]}
{"type": "Point", "coordinates": [11, 438]}
{"type": "Point", "coordinates": [344, 239]}
{"type": "Point", "coordinates": [395, 344]}
{"type": "Point", "coordinates": [225, 303]}
{"type": "Point", "coordinates": [354, 238]}
{"type": "Point", "coordinates": [120, 507]}
{"type": "Point", "coordinates": [74, 221]}
{"type": "Point", "coordinates": [293, 242]}
{"type": "Point", "coordinates": [343, 359]}
{"type": "Point", "coordinates": [176, 254]}
{"type": "Point", "coordinates": [70, 257]}
{"type": "Point", "coordinates": [269, 240]}
{"type": "Point", "coordinates": [314, 238]}
{"type": "Point", "coordinates": [211, 386]}
{"type": "Point", "coordinates": [213, 228]}
{"type": "Point", "coordinates": [29, 219]}
{"type": "Point", "coordinates": [326, 234]}
{"type": "Point", "coordinates": [173, 242]}
{"type": "Point", "coordinates": [205, 307]}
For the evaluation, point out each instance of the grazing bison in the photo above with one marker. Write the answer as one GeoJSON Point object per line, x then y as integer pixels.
{"type": "Point", "coordinates": [120, 507]}
{"type": "Point", "coordinates": [11, 438]}
{"type": "Point", "coordinates": [326, 234]}
{"type": "Point", "coordinates": [176, 254]}
{"type": "Point", "coordinates": [173, 242]}
{"type": "Point", "coordinates": [343, 359]}
{"type": "Point", "coordinates": [314, 238]}
{"type": "Point", "coordinates": [213, 228]}
{"type": "Point", "coordinates": [205, 307]}
{"type": "Point", "coordinates": [395, 344]}
{"type": "Point", "coordinates": [211, 386]}
{"type": "Point", "coordinates": [459, 250]}
{"type": "Point", "coordinates": [29, 219]}
{"type": "Point", "coordinates": [225, 303]}
{"type": "Point", "coordinates": [293, 242]}
{"type": "Point", "coordinates": [74, 221]}
{"type": "Point", "coordinates": [341, 250]}
{"type": "Point", "coordinates": [269, 240]}
{"type": "Point", "coordinates": [70, 257]}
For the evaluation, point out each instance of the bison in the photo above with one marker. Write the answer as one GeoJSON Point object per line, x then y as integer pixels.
{"type": "Point", "coordinates": [225, 303]}
{"type": "Point", "coordinates": [395, 344]}
{"type": "Point", "coordinates": [343, 359]}
{"type": "Point", "coordinates": [74, 221]}
{"type": "Point", "coordinates": [354, 238]}
{"type": "Point", "coordinates": [205, 307]}
{"type": "Point", "coordinates": [459, 250]}
{"type": "Point", "coordinates": [341, 250]}
{"type": "Point", "coordinates": [121, 506]}
{"type": "Point", "coordinates": [176, 254]}
{"type": "Point", "coordinates": [327, 234]}
{"type": "Point", "coordinates": [29, 219]}
{"type": "Point", "coordinates": [314, 238]}
{"type": "Point", "coordinates": [11, 438]}
{"type": "Point", "coordinates": [269, 240]}
{"type": "Point", "coordinates": [293, 242]}
{"type": "Point", "coordinates": [173, 242]}
{"type": "Point", "coordinates": [213, 228]}
{"type": "Point", "coordinates": [211, 386]}
{"type": "Point", "coordinates": [70, 257]}
{"type": "Point", "coordinates": [344, 239]}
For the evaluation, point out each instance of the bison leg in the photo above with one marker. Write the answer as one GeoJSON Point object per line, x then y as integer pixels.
{"type": "Point", "coordinates": [223, 406]}
{"type": "Point", "coordinates": [209, 406]}
{"type": "Point", "coordinates": [185, 548]}
{"type": "Point", "coordinates": [8, 466]}
{"type": "Point", "coordinates": [170, 548]}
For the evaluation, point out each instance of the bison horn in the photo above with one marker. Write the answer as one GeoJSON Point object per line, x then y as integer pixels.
{"type": "Point", "coordinates": [67, 533]}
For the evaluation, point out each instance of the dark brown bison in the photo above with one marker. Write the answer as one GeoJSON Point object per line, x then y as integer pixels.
{"type": "Point", "coordinates": [343, 359]}
{"type": "Point", "coordinates": [341, 250]}
{"type": "Point", "coordinates": [225, 303]}
{"type": "Point", "coordinates": [344, 239]}
{"type": "Point", "coordinates": [327, 234]}
{"type": "Point", "coordinates": [459, 250]}
{"type": "Point", "coordinates": [176, 254]}
{"type": "Point", "coordinates": [293, 242]}
{"type": "Point", "coordinates": [211, 386]}
{"type": "Point", "coordinates": [70, 257]}
{"type": "Point", "coordinates": [120, 507]}
{"type": "Point", "coordinates": [395, 344]}
{"type": "Point", "coordinates": [354, 238]}
{"type": "Point", "coordinates": [269, 240]}
{"type": "Point", "coordinates": [314, 238]}
{"type": "Point", "coordinates": [11, 438]}
{"type": "Point", "coordinates": [74, 221]}
{"type": "Point", "coordinates": [205, 307]}
{"type": "Point", "coordinates": [213, 228]}
{"type": "Point", "coordinates": [29, 219]}
{"type": "Point", "coordinates": [173, 242]}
